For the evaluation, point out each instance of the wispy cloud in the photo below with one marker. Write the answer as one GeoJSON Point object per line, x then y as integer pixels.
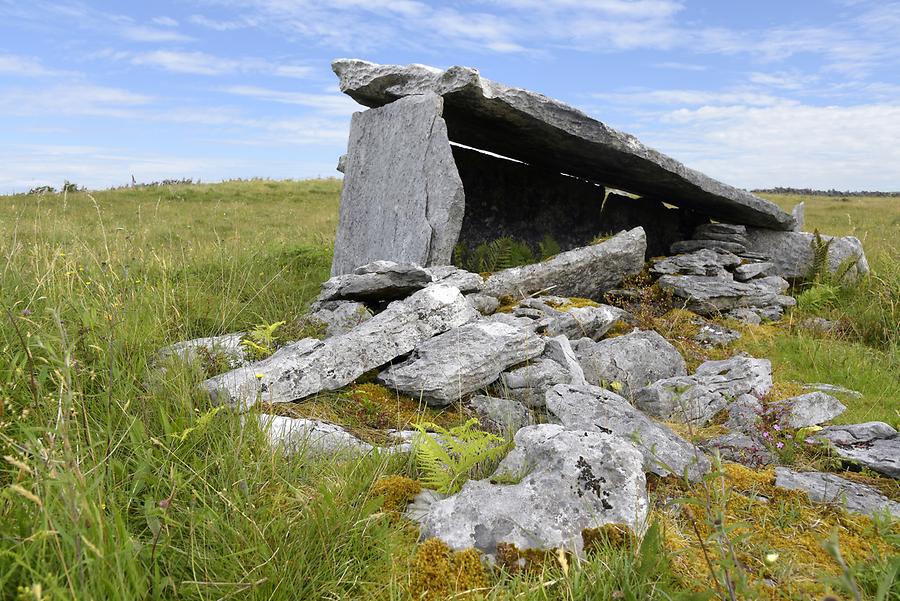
{"type": "Point", "coordinates": [331, 104]}
{"type": "Point", "coordinates": [11, 64]}
{"type": "Point", "coordinates": [201, 63]}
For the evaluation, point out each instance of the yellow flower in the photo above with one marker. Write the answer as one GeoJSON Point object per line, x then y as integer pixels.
{"type": "Point", "coordinates": [260, 376]}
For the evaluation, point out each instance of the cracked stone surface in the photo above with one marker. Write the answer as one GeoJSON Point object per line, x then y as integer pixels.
{"type": "Point", "coordinates": [562, 481]}
{"type": "Point", "coordinates": [402, 197]}
{"type": "Point", "coordinates": [828, 488]}
{"type": "Point", "coordinates": [875, 445]}
{"type": "Point", "coordinates": [791, 253]}
{"type": "Point", "coordinates": [538, 130]}
{"type": "Point", "coordinates": [376, 281]}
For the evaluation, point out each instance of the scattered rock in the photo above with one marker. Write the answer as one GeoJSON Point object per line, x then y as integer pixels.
{"type": "Point", "coordinates": [561, 482]}
{"type": "Point", "coordinates": [809, 409]}
{"type": "Point", "coordinates": [595, 409]}
{"type": "Point", "coordinates": [449, 275]}
{"type": "Point", "coordinates": [500, 415]}
{"type": "Point", "coordinates": [829, 488]}
{"type": "Point", "coordinates": [560, 350]}
{"type": "Point", "coordinates": [631, 361]}
{"type": "Point", "coordinates": [582, 272]}
{"type": "Point", "coordinates": [484, 303]}
{"type": "Point", "coordinates": [227, 346]}
{"type": "Point", "coordinates": [745, 315]}
{"type": "Point", "coordinates": [743, 413]}
{"type": "Point", "coordinates": [581, 322]}
{"type": "Point", "coordinates": [309, 366]}
{"type": "Point", "coordinates": [748, 271]}
{"type": "Point", "coordinates": [792, 253]}
{"type": "Point", "coordinates": [818, 325]}
{"type": "Point", "coordinates": [339, 317]}
{"type": "Point", "coordinates": [708, 295]}
{"type": "Point", "coordinates": [686, 246]}
{"type": "Point", "coordinates": [875, 445]}
{"type": "Point", "coordinates": [832, 388]}
{"type": "Point", "coordinates": [740, 448]}
{"type": "Point", "coordinates": [529, 383]}
{"type": "Point", "coordinates": [461, 360]}
{"type": "Point", "coordinates": [705, 262]}
{"type": "Point", "coordinates": [696, 399]}
{"type": "Point", "coordinates": [377, 281]}
{"type": "Point", "coordinates": [714, 335]}
{"type": "Point", "coordinates": [310, 436]}
{"type": "Point", "coordinates": [402, 197]}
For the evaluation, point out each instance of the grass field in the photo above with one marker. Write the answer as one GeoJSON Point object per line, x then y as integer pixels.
{"type": "Point", "coordinates": [116, 485]}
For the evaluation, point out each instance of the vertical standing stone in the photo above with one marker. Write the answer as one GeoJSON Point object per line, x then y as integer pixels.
{"type": "Point", "coordinates": [402, 197]}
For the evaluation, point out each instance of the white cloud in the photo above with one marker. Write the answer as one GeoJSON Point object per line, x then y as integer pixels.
{"type": "Point", "coordinates": [165, 21]}
{"type": "Point", "coordinates": [72, 99]}
{"type": "Point", "coordinates": [143, 33]}
{"type": "Point", "coordinates": [12, 64]}
{"type": "Point", "coordinates": [330, 104]}
{"type": "Point", "coordinates": [201, 63]}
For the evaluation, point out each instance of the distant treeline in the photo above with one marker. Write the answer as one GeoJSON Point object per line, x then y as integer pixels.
{"type": "Point", "coordinates": [810, 192]}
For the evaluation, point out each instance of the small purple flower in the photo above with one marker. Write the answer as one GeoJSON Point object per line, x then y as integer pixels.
{"type": "Point", "coordinates": [777, 427]}
{"type": "Point", "coordinates": [779, 444]}
{"type": "Point", "coordinates": [765, 434]}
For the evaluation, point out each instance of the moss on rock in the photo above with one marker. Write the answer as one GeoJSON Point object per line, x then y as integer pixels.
{"type": "Point", "coordinates": [438, 572]}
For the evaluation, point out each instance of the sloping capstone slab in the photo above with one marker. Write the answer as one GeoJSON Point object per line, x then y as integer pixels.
{"type": "Point", "coordinates": [592, 408]}
{"type": "Point", "coordinates": [462, 360]}
{"type": "Point", "coordinates": [570, 480]}
{"type": "Point", "coordinates": [309, 366]}
{"type": "Point", "coordinates": [402, 197]}
{"type": "Point", "coordinates": [827, 488]}
{"type": "Point", "coordinates": [541, 131]}
{"type": "Point", "coordinates": [582, 272]}
{"type": "Point", "coordinates": [791, 253]}
{"type": "Point", "coordinates": [632, 361]}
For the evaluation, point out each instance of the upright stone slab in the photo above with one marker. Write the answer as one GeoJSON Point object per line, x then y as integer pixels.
{"type": "Point", "coordinates": [402, 197]}
{"type": "Point", "coordinates": [541, 131]}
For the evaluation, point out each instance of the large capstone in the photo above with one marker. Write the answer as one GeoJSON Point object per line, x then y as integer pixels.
{"type": "Point", "coordinates": [402, 198]}
{"type": "Point", "coordinates": [540, 131]}
{"type": "Point", "coordinates": [310, 366]}
{"type": "Point", "coordinates": [592, 408]}
{"type": "Point", "coordinates": [565, 481]}
{"type": "Point", "coordinates": [461, 361]}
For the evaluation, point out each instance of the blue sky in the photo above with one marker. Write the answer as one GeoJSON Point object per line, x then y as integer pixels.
{"type": "Point", "coordinates": [762, 93]}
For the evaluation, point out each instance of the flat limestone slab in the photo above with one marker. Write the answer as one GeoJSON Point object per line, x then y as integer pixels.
{"type": "Point", "coordinates": [402, 197]}
{"type": "Point", "coordinates": [541, 131]}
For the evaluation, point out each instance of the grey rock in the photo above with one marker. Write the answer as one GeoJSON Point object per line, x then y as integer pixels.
{"type": "Point", "coordinates": [342, 163]}
{"type": "Point", "coordinates": [376, 281]}
{"type": "Point", "coordinates": [449, 275]}
{"type": "Point", "coordinates": [402, 197]}
{"type": "Point", "coordinates": [834, 389]}
{"type": "Point", "coordinates": [582, 272]}
{"type": "Point", "coordinates": [421, 504]}
{"type": "Point", "coordinates": [818, 325]}
{"type": "Point", "coordinates": [339, 317]}
{"type": "Point", "coordinates": [461, 360]}
{"type": "Point", "coordinates": [697, 398]}
{"type": "Point", "coordinates": [714, 335]}
{"type": "Point", "coordinates": [500, 415]}
{"type": "Point", "coordinates": [742, 448]}
{"type": "Point", "coordinates": [570, 480]}
{"type": "Point", "coordinates": [705, 262]}
{"type": "Point", "coordinates": [524, 323]}
{"type": "Point", "coordinates": [875, 445]}
{"type": "Point", "coordinates": [663, 225]}
{"type": "Point", "coordinates": [719, 231]}
{"type": "Point", "coordinates": [228, 345]}
{"type": "Point", "coordinates": [743, 413]}
{"type": "Point", "coordinates": [578, 322]}
{"type": "Point", "coordinates": [799, 215]}
{"type": "Point", "coordinates": [745, 315]}
{"type": "Point", "coordinates": [748, 271]}
{"type": "Point", "coordinates": [529, 313]}
{"type": "Point", "coordinates": [560, 350]}
{"type": "Point", "coordinates": [809, 409]}
{"type": "Point", "coordinates": [633, 360]}
{"type": "Point", "coordinates": [687, 246]}
{"type": "Point", "coordinates": [541, 131]}
{"type": "Point", "coordinates": [708, 295]}
{"type": "Point", "coordinates": [309, 366]}
{"type": "Point", "coordinates": [829, 488]}
{"type": "Point", "coordinates": [792, 253]}
{"type": "Point", "coordinates": [598, 410]}
{"type": "Point", "coordinates": [310, 436]}
{"type": "Point", "coordinates": [528, 384]}
{"type": "Point", "coordinates": [484, 303]}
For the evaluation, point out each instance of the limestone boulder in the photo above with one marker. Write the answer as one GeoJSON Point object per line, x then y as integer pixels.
{"type": "Point", "coordinates": [791, 253]}
{"type": "Point", "coordinates": [704, 262]}
{"type": "Point", "coordinates": [338, 317]}
{"type": "Point", "coordinates": [376, 281]}
{"type": "Point", "coordinates": [227, 346]}
{"type": "Point", "coordinates": [707, 295]}
{"type": "Point", "coordinates": [563, 481]}
{"type": "Point", "coordinates": [875, 445]}
{"type": "Point", "coordinates": [310, 436]}
{"type": "Point", "coordinates": [461, 361]}
{"type": "Point", "coordinates": [599, 410]}
{"type": "Point", "coordinates": [500, 415]}
{"type": "Point", "coordinates": [810, 409]}
{"type": "Point", "coordinates": [529, 383]}
{"type": "Point", "coordinates": [310, 366]}
{"type": "Point", "coordinates": [631, 361]}
{"type": "Point", "coordinates": [828, 488]}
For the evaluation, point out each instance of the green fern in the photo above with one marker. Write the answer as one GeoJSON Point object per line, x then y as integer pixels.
{"type": "Point", "coordinates": [502, 253]}
{"type": "Point", "coordinates": [548, 247]}
{"type": "Point", "coordinates": [454, 455]}
{"type": "Point", "coordinates": [819, 269]}
{"type": "Point", "coordinates": [260, 341]}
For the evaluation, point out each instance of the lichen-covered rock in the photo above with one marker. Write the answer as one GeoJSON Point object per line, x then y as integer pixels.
{"type": "Point", "coordinates": [633, 360]}
{"type": "Point", "coordinates": [714, 335]}
{"type": "Point", "coordinates": [484, 303]}
{"type": "Point", "coordinates": [461, 360]}
{"type": "Point", "coordinates": [560, 350]}
{"type": "Point", "coordinates": [686, 246]}
{"type": "Point", "coordinates": [582, 272]}
{"type": "Point", "coordinates": [529, 383]}
{"type": "Point", "coordinates": [309, 366]}
{"type": "Point", "coordinates": [314, 437]}
{"type": "Point", "coordinates": [376, 281]}
{"type": "Point", "coordinates": [339, 317]}
{"type": "Point", "coordinates": [709, 295]}
{"type": "Point", "coordinates": [598, 410]}
{"type": "Point", "coordinates": [578, 322]}
{"type": "Point", "coordinates": [810, 409]}
{"type": "Point", "coordinates": [828, 488]}
{"type": "Point", "coordinates": [744, 413]}
{"type": "Point", "coordinates": [500, 415]}
{"type": "Point", "coordinates": [875, 445]}
{"type": "Point", "coordinates": [748, 271]}
{"type": "Point", "coordinates": [791, 253]}
{"type": "Point", "coordinates": [449, 275]}
{"type": "Point", "coordinates": [704, 262]}
{"type": "Point", "coordinates": [697, 398]}
{"type": "Point", "coordinates": [742, 448]}
{"type": "Point", "coordinates": [563, 482]}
